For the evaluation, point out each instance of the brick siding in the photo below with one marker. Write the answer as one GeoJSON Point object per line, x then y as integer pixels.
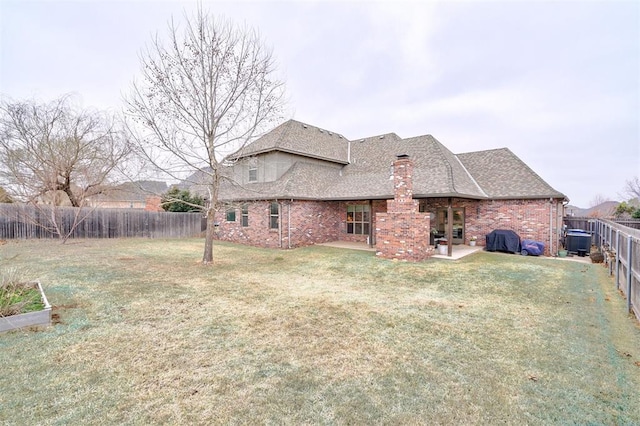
{"type": "Point", "coordinates": [530, 219]}
{"type": "Point", "coordinates": [301, 223]}
{"type": "Point", "coordinates": [400, 231]}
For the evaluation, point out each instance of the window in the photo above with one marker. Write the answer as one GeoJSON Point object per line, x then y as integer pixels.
{"type": "Point", "coordinates": [358, 219]}
{"type": "Point", "coordinates": [245, 215]}
{"type": "Point", "coordinates": [274, 216]}
{"type": "Point", "coordinates": [231, 215]}
{"type": "Point", "coordinates": [253, 173]}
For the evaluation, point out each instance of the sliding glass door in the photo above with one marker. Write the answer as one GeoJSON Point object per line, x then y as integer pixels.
{"type": "Point", "coordinates": [458, 224]}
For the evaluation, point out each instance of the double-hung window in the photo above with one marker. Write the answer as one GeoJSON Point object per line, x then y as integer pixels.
{"type": "Point", "coordinates": [231, 215]}
{"type": "Point", "coordinates": [274, 216]}
{"type": "Point", "coordinates": [245, 215]}
{"type": "Point", "coordinates": [253, 173]}
{"type": "Point", "coordinates": [358, 217]}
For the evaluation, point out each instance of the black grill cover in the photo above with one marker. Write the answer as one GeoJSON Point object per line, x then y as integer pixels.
{"type": "Point", "coordinates": [503, 240]}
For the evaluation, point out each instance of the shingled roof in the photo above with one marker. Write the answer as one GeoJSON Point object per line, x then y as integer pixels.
{"type": "Point", "coordinates": [501, 174]}
{"type": "Point", "coordinates": [302, 139]}
{"type": "Point", "coordinates": [361, 169]}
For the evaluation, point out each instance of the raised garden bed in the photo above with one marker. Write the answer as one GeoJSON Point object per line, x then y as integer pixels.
{"type": "Point", "coordinates": [39, 318]}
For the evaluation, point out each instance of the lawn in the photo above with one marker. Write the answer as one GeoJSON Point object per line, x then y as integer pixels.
{"type": "Point", "coordinates": [144, 335]}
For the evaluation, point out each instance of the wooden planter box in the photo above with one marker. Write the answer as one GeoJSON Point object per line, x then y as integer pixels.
{"type": "Point", "coordinates": [31, 319]}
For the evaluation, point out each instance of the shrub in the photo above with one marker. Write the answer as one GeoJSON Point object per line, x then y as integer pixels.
{"type": "Point", "coordinates": [176, 200]}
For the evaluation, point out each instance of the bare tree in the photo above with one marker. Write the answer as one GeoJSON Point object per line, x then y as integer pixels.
{"type": "Point", "coordinates": [205, 92]}
{"type": "Point", "coordinates": [54, 154]}
{"type": "Point", "coordinates": [632, 187]}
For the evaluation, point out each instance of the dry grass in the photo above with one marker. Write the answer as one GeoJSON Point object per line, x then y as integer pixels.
{"type": "Point", "coordinates": [316, 336]}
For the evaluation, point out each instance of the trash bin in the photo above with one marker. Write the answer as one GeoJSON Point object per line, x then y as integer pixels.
{"type": "Point", "coordinates": [578, 242]}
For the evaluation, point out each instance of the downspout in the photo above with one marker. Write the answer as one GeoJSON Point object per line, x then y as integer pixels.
{"type": "Point", "coordinates": [551, 226]}
{"type": "Point", "coordinates": [289, 224]}
{"type": "Point", "coordinates": [370, 223]}
{"type": "Point", "coordinates": [280, 224]}
{"type": "Point", "coordinates": [450, 227]}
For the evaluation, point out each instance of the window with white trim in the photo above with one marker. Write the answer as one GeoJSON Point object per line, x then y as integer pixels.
{"type": "Point", "coordinates": [274, 216]}
{"type": "Point", "coordinates": [358, 218]}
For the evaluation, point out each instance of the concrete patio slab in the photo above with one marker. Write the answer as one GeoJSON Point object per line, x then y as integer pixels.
{"type": "Point", "coordinates": [459, 251]}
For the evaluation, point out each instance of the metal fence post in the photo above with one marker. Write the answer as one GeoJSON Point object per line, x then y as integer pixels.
{"type": "Point", "coordinates": [617, 258]}
{"type": "Point", "coordinates": [629, 270]}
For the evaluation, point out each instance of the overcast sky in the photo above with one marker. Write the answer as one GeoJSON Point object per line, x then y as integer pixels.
{"type": "Point", "coordinates": [558, 83]}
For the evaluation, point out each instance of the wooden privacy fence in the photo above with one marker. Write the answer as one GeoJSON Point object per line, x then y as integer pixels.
{"type": "Point", "coordinates": [623, 245]}
{"type": "Point", "coordinates": [586, 223]}
{"type": "Point", "coordinates": [23, 221]}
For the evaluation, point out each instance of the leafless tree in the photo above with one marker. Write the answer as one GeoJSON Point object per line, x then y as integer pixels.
{"type": "Point", "coordinates": [632, 187]}
{"type": "Point", "coordinates": [205, 92]}
{"type": "Point", "coordinates": [55, 154]}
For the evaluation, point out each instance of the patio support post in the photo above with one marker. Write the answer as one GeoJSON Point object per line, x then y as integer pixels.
{"type": "Point", "coordinates": [450, 228]}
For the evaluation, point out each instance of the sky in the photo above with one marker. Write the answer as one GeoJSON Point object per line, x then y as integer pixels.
{"type": "Point", "coordinates": [556, 82]}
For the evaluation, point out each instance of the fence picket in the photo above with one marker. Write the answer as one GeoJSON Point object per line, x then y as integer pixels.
{"type": "Point", "coordinates": [19, 221]}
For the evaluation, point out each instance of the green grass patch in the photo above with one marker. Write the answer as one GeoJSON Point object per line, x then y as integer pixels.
{"type": "Point", "coordinates": [145, 334]}
{"type": "Point", "coordinates": [16, 295]}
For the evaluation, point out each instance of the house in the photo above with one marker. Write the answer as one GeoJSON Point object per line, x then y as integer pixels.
{"type": "Point", "coordinates": [145, 195]}
{"type": "Point", "coordinates": [299, 185]}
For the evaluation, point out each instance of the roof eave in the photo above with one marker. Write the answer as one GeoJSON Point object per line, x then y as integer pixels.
{"type": "Point", "coordinates": [290, 151]}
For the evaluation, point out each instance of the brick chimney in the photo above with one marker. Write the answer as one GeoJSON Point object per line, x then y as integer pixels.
{"type": "Point", "coordinates": [402, 232]}
{"type": "Point", "coordinates": [402, 185]}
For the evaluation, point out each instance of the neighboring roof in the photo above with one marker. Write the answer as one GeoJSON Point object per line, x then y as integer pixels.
{"type": "Point", "coordinates": [604, 209]}
{"type": "Point", "coordinates": [303, 139]}
{"type": "Point", "coordinates": [361, 169]}
{"type": "Point", "coordinates": [133, 191]}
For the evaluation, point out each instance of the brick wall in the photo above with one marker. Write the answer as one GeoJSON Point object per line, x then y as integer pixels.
{"type": "Point", "coordinates": [312, 222]}
{"type": "Point", "coordinates": [153, 204]}
{"type": "Point", "coordinates": [301, 223]}
{"type": "Point", "coordinates": [405, 230]}
{"type": "Point", "coordinates": [530, 219]}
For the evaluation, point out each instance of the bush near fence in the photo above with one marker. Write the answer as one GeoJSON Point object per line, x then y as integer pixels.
{"type": "Point", "coordinates": [24, 222]}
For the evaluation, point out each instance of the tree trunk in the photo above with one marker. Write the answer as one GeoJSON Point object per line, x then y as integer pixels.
{"type": "Point", "coordinates": [207, 257]}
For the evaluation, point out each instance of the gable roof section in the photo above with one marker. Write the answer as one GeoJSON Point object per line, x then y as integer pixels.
{"type": "Point", "coordinates": [302, 139]}
{"type": "Point", "coordinates": [501, 174]}
{"type": "Point", "coordinates": [437, 172]}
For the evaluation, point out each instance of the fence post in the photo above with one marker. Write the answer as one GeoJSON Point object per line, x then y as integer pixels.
{"type": "Point", "coordinates": [617, 258]}
{"type": "Point", "coordinates": [629, 270]}
{"type": "Point", "coordinates": [611, 248]}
